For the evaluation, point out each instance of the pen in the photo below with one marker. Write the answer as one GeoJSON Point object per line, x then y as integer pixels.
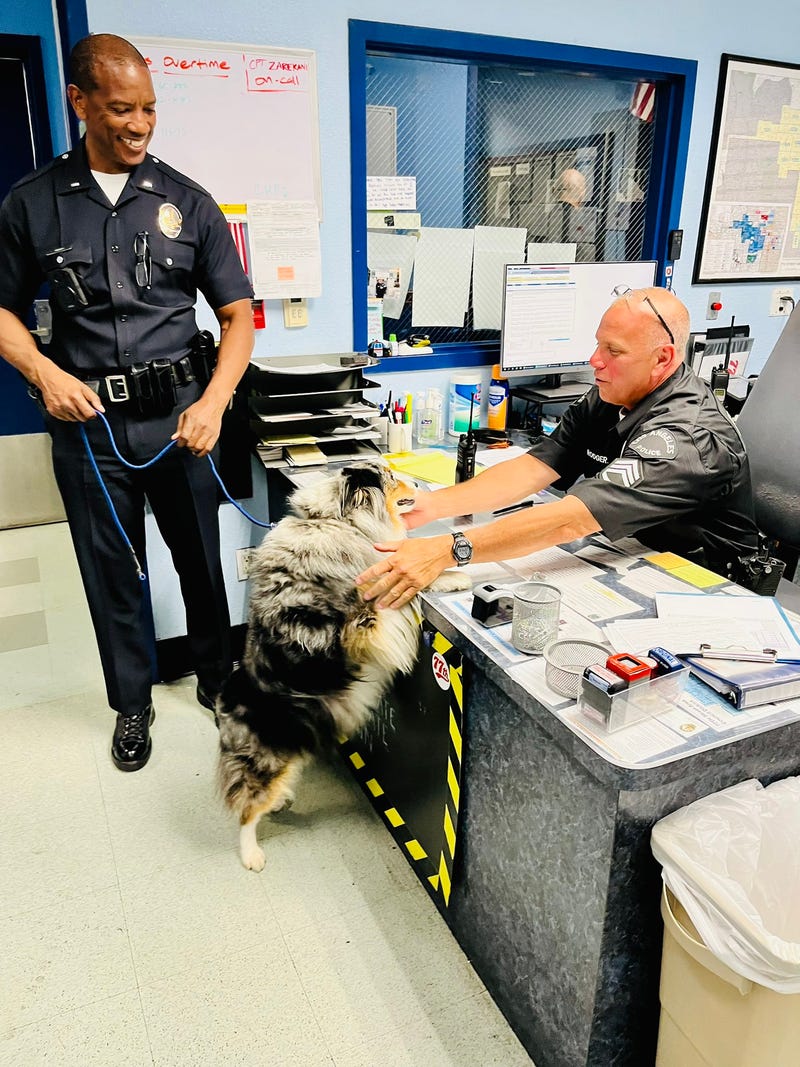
{"type": "Point", "coordinates": [514, 507]}
{"type": "Point", "coordinates": [767, 655]}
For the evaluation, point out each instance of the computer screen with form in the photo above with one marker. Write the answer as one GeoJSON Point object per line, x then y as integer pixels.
{"type": "Point", "coordinates": [552, 310]}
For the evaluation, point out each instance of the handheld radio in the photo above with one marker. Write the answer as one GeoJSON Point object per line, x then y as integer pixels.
{"type": "Point", "coordinates": [720, 376]}
{"type": "Point", "coordinates": [467, 447]}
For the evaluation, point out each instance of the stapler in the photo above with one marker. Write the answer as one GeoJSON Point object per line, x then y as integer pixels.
{"type": "Point", "coordinates": [492, 605]}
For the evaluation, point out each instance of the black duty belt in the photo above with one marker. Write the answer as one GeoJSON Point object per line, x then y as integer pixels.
{"type": "Point", "coordinates": [147, 388]}
{"type": "Point", "coordinates": [134, 383]}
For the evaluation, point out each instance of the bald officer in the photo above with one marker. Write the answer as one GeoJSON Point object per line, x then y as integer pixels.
{"type": "Point", "coordinates": [647, 451]}
{"type": "Point", "coordinates": [125, 243]}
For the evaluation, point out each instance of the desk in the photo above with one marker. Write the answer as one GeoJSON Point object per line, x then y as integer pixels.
{"type": "Point", "coordinates": [540, 396]}
{"type": "Point", "coordinates": [555, 893]}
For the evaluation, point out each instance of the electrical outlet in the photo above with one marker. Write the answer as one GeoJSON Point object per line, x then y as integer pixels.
{"type": "Point", "coordinates": [244, 557]}
{"type": "Point", "coordinates": [782, 302]}
{"type": "Point", "coordinates": [295, 312]}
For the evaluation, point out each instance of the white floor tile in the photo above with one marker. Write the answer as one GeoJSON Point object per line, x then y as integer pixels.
{"type": "Point", "coordinates": [54, 858]}
{"type": "Point", "coordinates": [61, 957]}
{"type": "Point", "coordinates": [331, 863]}
{"type": "Point", "coordinates": [112, 1031]}
{"type": "Point", "coordinates": [246, 1009]}
{"type": "Point", "coordinates": [179, 918]}
{"type": "Point", "coordinates": [470, 1033]}
{"type": "Point", "coordinates": [374, 970]}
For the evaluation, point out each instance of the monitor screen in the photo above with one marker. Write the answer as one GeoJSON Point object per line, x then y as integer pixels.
{"type": "Point", "coordinates": [551, 312]}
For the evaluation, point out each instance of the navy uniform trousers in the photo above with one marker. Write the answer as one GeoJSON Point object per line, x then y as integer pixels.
{"type": "Point", "coordinates": [182, 493]}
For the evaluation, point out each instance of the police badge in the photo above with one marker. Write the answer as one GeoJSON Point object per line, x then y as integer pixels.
{"type": "Point", "coordinates": [170, 220]}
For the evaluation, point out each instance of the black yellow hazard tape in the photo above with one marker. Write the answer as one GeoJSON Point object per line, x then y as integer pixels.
{"type": "Point", "coordinates": [433, 858]}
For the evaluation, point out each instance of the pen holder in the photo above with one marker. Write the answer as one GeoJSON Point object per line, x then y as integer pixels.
{"type": "Point", "coordinates": [399, 437]}
{"type": "Point", "coordinates": [535, 616]}
{"type": "Point", "coordinates": [394, 437]}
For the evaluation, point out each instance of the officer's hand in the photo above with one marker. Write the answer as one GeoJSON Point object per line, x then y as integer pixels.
{"type": "Point", "coordinates": [422, 513]}
{"type": "Point", "coordinates": [198, 427]}
{"type": "Point", "coordinates": [407, 567]}
{"type": "Point", "coordinates": [66, 397]}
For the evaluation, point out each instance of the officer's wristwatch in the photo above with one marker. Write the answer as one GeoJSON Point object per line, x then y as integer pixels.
{"type": "Point", "coordinates": [462, 549]}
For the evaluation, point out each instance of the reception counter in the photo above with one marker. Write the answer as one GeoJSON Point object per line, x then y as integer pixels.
{"type": "Point", "coordinates": [555, 893]}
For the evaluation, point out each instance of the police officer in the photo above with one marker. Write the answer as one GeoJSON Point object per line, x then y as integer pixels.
{"type": "Point", "coordinates": [125, 243]}
{"type": "Point", "coordinates": [647, 451]}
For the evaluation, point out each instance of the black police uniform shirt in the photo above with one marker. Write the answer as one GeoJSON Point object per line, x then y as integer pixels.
{"type": "Point", "coordinates": [57, 225]}
{"type": "Point", "coordinates": [672, 471]}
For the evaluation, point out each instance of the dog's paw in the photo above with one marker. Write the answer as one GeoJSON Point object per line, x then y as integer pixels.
{"type": "Point", "coordinates": [253, 858]}
{"type": "Point", "coordinates": [450, 581]}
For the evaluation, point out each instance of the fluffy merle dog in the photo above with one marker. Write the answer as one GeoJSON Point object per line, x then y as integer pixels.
{"type": "Point", "coordinates": [317, 657]}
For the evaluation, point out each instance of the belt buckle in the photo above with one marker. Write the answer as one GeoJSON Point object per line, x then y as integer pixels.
{"type": "Point", "coordinates": [117, 385]}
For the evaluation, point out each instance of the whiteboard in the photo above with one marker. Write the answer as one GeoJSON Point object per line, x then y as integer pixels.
{"type": "Point", "coordinates": [552, 310]}
{"type": "Point", "coordinates": [241, 120]}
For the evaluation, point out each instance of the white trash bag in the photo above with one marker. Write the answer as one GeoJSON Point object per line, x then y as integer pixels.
{"type": "Point", "coordinates": [733, 861]}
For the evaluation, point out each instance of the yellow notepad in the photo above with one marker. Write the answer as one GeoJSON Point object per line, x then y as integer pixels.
{"type": "Point", "coordinates": [436, 467]}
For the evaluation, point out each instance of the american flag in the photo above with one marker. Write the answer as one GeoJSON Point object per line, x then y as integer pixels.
{"type": "Point", "coordinates": [239, 234]}
{"type": "Point", "coordinates": [643, 104]}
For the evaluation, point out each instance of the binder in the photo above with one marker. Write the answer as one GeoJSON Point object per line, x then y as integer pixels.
{"type": "Point", "coordinates": [748, 685]}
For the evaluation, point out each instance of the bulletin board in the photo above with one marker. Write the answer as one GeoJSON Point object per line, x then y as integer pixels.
{"type": "Point", "coordinates": [241, 120]}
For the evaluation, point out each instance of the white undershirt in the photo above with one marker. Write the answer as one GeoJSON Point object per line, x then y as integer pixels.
{"type": "Point", "coordinates": [111, 184]}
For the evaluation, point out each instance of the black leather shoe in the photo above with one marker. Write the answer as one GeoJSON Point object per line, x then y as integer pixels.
{"type": "Point", "coordinates": [131, 746]}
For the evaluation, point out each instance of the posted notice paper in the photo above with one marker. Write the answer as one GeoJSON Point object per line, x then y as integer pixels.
{"type": "Point", "coordinates": [284, 242]}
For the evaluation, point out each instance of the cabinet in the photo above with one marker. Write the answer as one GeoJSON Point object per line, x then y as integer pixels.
{"type": "Point", "coordinates": [309, 410]}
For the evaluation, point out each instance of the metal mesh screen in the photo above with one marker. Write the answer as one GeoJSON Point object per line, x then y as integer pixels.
{"type": "Point", "coordinates": [558, 157]}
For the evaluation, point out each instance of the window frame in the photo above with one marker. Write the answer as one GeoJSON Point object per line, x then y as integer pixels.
{"type": "Point", "coordinates": [675, 77]}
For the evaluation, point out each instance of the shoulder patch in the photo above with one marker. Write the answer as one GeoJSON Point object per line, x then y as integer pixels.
{"type": "Point", "coordinates": [624, 472]}
{"type": "Point", "coordinates": [656, 444]}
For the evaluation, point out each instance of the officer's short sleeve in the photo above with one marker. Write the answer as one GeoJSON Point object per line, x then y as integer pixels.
{"type": "Point", "coordinates": [221, 277]}
{"type": "Point", "coordinates": [661, 474]}
{"type": "Point", "coordinates": [20, 276]}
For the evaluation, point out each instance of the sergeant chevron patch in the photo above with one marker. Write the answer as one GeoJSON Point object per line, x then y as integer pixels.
{"type": "Point", "coordinates": [624, 472]}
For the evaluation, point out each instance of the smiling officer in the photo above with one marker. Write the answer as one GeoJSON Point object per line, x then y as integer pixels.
{"type": "Point", "coordinates": [647, 451]}
{"type": "Point", "coordinates": [125, 243]}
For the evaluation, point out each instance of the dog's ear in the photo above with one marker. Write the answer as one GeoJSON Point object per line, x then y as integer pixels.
{"type": "Point", "coordinates": [358, 487]}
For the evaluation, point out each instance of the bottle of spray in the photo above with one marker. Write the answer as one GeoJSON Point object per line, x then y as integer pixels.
{"type": "Point", "coordinates": [498, 400]}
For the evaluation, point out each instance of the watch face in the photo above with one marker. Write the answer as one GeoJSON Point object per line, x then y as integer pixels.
{"type": "Point", "coordinates": [462, 549]}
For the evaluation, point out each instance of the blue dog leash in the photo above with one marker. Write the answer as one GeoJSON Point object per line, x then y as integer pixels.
{"type": "Point", "coordinates": [142, 466]}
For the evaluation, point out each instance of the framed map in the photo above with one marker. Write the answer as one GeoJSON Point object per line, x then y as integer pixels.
{"type": "Point", "coordinates": [750, 224]}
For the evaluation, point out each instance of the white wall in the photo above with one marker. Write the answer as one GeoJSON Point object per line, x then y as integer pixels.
{"type": "Point", "coordinates": [685, 29]}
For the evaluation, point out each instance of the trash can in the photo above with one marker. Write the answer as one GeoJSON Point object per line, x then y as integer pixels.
{"type": "Point", "coordinates": [730, 972]}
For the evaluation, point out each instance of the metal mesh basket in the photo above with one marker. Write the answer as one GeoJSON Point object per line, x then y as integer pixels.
{"type": "Point", "coordinates": [565, 662]}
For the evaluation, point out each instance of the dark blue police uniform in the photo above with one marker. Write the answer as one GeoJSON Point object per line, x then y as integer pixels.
{"type": "Point", "coordinates": [124, 280]}
{"type": "Point", "coordinates": [672, 471]}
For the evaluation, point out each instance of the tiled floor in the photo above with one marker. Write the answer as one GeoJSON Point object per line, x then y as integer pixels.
{"type": "Point", "coordinates": [130, 933]}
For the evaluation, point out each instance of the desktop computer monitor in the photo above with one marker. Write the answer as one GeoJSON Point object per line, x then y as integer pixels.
{"type": "Point", "coordinates": [552, 310]}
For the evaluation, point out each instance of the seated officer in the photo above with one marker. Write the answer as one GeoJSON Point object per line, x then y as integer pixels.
{"type": "Point", "coordinates": [646, 452]}
{"type": "Point", "coordinates": [125, 243]}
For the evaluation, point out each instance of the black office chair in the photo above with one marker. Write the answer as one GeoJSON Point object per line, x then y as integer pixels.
{"type": "Point", "coordinates": [769, 422]}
